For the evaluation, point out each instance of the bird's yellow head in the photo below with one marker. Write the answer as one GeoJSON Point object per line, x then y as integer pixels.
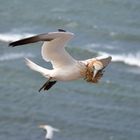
{"type": "Point", "coordinates": [94, 71]}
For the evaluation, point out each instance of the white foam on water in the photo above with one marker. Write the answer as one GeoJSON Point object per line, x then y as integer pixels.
{"type": "Point", "coordinates": [132, 59]}
{"type": "Point", "coordinates": [9, 37]}
{"type": "Point", "coordinates": [129, 59]}
{"type": "Point", "coordinates": [13, 56]}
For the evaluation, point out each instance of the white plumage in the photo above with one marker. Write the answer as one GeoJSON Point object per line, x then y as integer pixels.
{"type": "Point", "coordinates": [49, 131]}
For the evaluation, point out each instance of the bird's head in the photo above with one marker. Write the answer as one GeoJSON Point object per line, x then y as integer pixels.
{"type": "Point", "coordinates": [95, 69]}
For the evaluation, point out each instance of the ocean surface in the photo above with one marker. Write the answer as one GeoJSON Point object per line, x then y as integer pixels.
{"type": "Point", "coordinates": [109, 110]}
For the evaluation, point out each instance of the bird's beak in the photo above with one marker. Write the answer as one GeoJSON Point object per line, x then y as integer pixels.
{"type": "Point", "coordinates": [95, 72]}
{"type": "Point", "coordinates": [98, 65]}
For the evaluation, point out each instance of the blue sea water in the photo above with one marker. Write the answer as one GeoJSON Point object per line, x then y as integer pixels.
{"type": "Point", "coordinates": [82, 111]}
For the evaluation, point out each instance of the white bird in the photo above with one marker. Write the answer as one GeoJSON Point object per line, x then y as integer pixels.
{"type": "Point", "coordinates": [65, 67]}
{"type": "Point", "coordinates": [49, 131]}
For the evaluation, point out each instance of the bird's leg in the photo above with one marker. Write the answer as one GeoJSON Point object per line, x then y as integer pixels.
{"type": "Point", "coordinates": [48, 84]}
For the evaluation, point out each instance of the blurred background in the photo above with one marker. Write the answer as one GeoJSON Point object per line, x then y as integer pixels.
{"type": "Point", "coordinates": [82, 111]}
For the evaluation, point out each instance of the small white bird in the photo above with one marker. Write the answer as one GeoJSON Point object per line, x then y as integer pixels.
{"type": "Point", "coordinates": [49, 131]}
{"type": "Point", "coordinates": [65, 67]}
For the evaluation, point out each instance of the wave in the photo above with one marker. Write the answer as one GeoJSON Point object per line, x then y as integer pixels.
{"type": "Point", "coordinates": [9, 37]}
{"type": "Point", "coordinates": [13, 56]}
{"type": "Point", "coordinates": [132, 59]}
{"type": "Point", "coordinates": [129, 59]}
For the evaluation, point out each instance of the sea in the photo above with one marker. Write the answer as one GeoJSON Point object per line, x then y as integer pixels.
{"type": "Point", "coordinates": [109, 110]}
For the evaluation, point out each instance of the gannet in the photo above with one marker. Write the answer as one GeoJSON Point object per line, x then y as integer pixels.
{"type": "Point", "coordinates": [64, 66]}
{"type": "Point", "coordinates": [49, 131]}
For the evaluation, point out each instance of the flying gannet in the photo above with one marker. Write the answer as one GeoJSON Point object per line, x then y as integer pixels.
{"type": "Point", "coordinates": [65, 67]}
{"type": "Point", "coordinates": [49, 131]}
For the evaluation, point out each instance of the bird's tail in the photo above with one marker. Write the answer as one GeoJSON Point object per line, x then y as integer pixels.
{"type": "Point", "coordinates": [45, 72]}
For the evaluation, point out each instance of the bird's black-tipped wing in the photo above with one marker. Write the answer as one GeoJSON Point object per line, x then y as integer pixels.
{"type": "Point", "coordinates": [53, 51]}
{"type": "Point", "coordinates": [33, 39]}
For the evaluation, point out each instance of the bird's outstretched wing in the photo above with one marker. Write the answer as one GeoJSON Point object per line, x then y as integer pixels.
{"type": "Point", "coordinates": [49, 131]}
{"type": "Point", "coordinates": [53, 49]}
{"type": "Point", "coordinates": [55, 52]}
{"type": "Point", "coordinates": [33, 39]}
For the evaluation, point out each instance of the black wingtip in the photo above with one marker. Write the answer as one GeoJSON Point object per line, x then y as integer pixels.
{"type": "Point", "coordinates": [61, 30]}
{"type": "Point", "coordinates": [11, 45]}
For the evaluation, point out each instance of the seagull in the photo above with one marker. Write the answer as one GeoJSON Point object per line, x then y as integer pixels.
{"type": "Point", "coordinates": [64, 66]}
{"type": "Point", "coordinates": [49, 131]}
